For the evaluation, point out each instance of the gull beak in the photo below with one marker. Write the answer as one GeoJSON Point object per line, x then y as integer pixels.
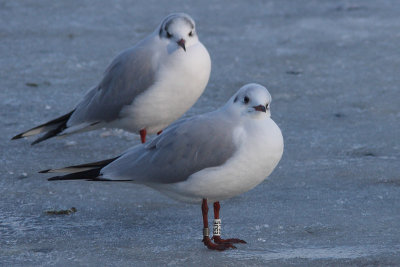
{"type": "Point", "coordinates": [181, 43]}
{"type": "Point", "coordinates": [260, 108]}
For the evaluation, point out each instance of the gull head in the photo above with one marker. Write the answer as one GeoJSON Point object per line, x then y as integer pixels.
{"type": "Point", "coordinates": [251, 100]}
{"type": "Point", "coordinates": [179, 30]}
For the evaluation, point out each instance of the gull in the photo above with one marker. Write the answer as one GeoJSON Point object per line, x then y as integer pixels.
{"type": "Point", "coordinates": [145, 88]}
{"type": "Point", "coordinates": [208, 157]}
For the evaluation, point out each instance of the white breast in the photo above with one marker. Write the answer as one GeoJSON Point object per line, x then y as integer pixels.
{"type": "Point", "coordinates": [257, 156]}
{"type": "Point", "coordinates": [181, 80]}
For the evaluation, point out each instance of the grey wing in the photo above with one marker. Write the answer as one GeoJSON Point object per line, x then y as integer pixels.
{"type": "Point", "coordinates": [184, 148]}
{"type": "Point", "coordinates": [128, 75]}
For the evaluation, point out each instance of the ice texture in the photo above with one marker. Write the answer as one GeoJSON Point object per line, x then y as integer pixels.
{"type": "Point", "coordinates": [332, 68]}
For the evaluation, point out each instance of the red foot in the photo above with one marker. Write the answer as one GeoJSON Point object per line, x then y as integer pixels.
{"type": "Point", "coordinates": [218, 240]}
{"type": "Point", "coordinates": [213, 246]}
{"type": "Point", "coordinates": [159, 132]}
{"type": "Point", "coordinates": [143, 135]}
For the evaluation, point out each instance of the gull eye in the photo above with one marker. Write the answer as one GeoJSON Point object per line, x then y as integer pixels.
{"type": "Point", "coordinates": [169, 35]}
{"type": "Point", "coordinates": [191, 33]}
{"type": "Point", "coordinates": [246, 99]}
{"type": "Point", "coordinates": [267, 106]}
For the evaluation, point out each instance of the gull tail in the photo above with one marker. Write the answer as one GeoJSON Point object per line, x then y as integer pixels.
{"type": "Point", "coordinates": [88, 171]}
{"type": "Point", "coordinates": [52, 128]}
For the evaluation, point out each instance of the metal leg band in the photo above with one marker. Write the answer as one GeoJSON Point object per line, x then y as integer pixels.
{"type": "Point", "coordinates": [206, 232]}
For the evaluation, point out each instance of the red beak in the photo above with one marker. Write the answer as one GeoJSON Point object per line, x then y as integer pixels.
{"type": "Point", "coordinates": [181, 43]}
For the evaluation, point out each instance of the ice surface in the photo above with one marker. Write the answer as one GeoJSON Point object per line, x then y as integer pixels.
{"type": "Point", "coordinates": [332, 68]}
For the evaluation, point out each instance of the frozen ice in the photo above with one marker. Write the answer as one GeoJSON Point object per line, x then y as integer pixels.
{"type": "Point", "coordinates": [332, 68]}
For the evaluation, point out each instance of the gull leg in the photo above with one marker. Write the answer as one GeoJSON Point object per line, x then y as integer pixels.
{"type": "Point", "coordinates": [206, 239]}
{"type": "Point", "coordinates": [216, 231]}
{"type": "Point", "coordinates": [159, 132]}
{"type": "Point", "coordinates": [143, 135]}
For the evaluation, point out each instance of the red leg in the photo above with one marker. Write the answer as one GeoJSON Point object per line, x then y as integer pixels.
{"type": "Point", "coordinates": [143, 135]}
{"type": "Point", "coordinates": [206, 239]}
{"type": "Point", "coordinates": [217, 239]}
{"type": "Point", "coordinates": [159, 132]}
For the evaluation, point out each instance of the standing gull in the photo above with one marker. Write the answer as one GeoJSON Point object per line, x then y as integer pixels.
{"type": "Point", "coordinates": [145, 88]}
{"type": "Point", "coordinates": [209, 157]}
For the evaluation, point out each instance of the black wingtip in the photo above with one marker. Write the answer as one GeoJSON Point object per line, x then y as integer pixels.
{"type": "Point", "coordinates": [55, 178]}
{"type": "Point", "coordinates": [64, 178]}
{"type": "Point", "coordinates": [36, 141]}
{"type": "Point", "coordinates": [18, 136]}
{"type": "Point", "coordinates": [50, 134]}
{"type": "Point", "coordinates": [45, 171]}
{"type": "Point", "coordinates": [56, 126]}
{"type": "Point", "coordinates": [83, 175]}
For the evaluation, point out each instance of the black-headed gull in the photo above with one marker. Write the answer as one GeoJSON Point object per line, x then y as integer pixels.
{"type": "Point", "coordinates": [145, 88]}
{"type": "Point", "coordinates": [209, 157]}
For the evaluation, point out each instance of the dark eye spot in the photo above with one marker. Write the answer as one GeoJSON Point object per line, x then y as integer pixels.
{"type": "Point", "coordinates": [267, 106]}
{"type": "Point", "coordinates": [191, 33]}
{"type": "Point", "coordinates": [169, 35]}
{"type": "Point", "coordinates": [246, 99]}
